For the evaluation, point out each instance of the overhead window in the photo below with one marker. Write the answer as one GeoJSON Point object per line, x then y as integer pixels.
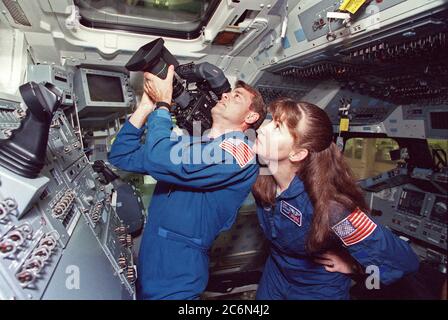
{"type": "Point", "coordinates": [172, 18]}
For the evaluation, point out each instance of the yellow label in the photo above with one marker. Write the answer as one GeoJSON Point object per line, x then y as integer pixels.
{"type": "Point", "coordinates": [351, 5]}
{"type": "Point", "coordinates": [343, 125]}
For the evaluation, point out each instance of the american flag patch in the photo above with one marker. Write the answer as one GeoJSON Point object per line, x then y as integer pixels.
{"type": "Point", "coordinates": [239, 150]}
{"type": "Point", "coordinates": [354, 228]}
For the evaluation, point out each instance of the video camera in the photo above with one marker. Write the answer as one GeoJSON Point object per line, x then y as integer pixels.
{"type": "Point", "coordinates": [191, 105]}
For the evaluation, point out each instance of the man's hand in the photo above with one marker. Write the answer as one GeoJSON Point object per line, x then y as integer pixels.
{"type": "Point", "coordinates": [337, 262]}
{"type": "Point", "coordinates": [146, 103]}
{"type": "Point", "coordinates": [159, 89]}
{"type": "Point", "coordinates": [145, 107]}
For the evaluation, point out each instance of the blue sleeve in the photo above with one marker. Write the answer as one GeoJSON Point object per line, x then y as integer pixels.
{"type": "Point", "coordinates": [392, 255]}
{"type": "Point", "coordinates": [155, 157]}
{"type": "Point", "coordinates": [124, 153]}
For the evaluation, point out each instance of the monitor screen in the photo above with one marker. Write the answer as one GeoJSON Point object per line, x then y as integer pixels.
{"type": "Point", "coordinates": [411, 201]}
{"type": "Point", "coordinates": [439, 120]}
{"type": "Point", "coordinates": [104, 88]}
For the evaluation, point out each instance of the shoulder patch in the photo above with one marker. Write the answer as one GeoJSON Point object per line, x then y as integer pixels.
{"type": "Point", "coordinates": [240, 150]}
{"type": "Point", "coordinates": [291, 212]}
{"type": "Point", "coordinates": [354, 228]}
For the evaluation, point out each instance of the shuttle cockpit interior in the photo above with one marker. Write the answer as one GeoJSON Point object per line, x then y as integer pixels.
{"type": "Point", "coordinates": [71, 74]}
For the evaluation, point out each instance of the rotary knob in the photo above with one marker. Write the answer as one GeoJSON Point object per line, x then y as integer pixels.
{"type": "Point", "coordinates": [120, 230]}
{"type": "Point", "coordinates": [122, 239]}
{"type": "Point", "coordinates": [129, 241]}
{"type": "Point", "coordinates": [130, 274]}
{"type": "Point", "coordinates": [122, 262]}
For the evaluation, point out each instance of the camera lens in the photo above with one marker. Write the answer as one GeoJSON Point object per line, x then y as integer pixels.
{"type": "Point", "coordinates": [180, 96]}
{"type": "Point", "coordinates": [159, 69]}
{"type": "Point", "coordinates": [154, 58]}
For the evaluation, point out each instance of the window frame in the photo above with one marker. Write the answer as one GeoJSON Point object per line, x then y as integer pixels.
{"type": "Point", "coordinates": [187, 35]}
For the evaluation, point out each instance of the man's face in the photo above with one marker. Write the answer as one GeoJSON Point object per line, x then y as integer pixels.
{"type": "Point", "coordinates": [233, 107]}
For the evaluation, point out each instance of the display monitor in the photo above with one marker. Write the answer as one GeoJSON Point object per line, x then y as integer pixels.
{"type": "Point", "coordinates": [411, 202]}
{"type": "Point", "coordinates": [105, 88]}
{"type": "Point", "coordinates": [101, 94]}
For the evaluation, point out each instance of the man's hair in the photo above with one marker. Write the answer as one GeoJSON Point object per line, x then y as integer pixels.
{"type": "Point", "coordinates": [257, 104]}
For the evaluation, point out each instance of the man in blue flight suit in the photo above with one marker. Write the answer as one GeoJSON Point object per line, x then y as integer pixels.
{"type": "Point", "coordinates": [200, 184]}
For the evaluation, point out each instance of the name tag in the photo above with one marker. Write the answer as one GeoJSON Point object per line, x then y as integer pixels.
{"type": "Point", "coordinates": [290, 212]}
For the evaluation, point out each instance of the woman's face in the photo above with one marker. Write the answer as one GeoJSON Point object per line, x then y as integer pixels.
{"type": "Point", "coordinates": [274, 142]}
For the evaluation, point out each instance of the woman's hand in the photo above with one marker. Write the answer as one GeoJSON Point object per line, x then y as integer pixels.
{"type": "Point", "coordinates": [338, 261]}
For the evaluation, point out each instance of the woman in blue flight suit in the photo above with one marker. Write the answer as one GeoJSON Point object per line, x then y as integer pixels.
{"type": "Point", "coordinates": [308, 203]}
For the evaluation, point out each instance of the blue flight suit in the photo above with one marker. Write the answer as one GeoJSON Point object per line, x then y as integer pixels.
{"type": "Point", "coordinates": [291, 273]}
{"type": "Point", "coordinates": [193, 201]}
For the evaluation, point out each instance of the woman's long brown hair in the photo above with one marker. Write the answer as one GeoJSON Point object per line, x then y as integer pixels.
{"type": "Point", "coordinates": [324, 172]}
